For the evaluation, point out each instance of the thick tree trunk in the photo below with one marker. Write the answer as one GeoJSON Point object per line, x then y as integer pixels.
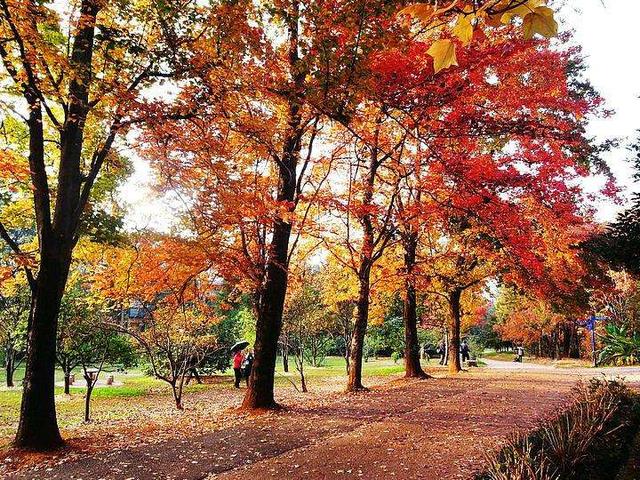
{"type": "Point", "coordinates": [454, 331]}
{"type": "Point", "coordinates": [38, 427]}
{"type": "Point", "coordinates": [359, 331]}
{"type": "Point", "coordinates": [260, 392]}
{"type": "Point", "coordinates": [412, 367]}
{"type": "Point", "coordinates": [269, 323]}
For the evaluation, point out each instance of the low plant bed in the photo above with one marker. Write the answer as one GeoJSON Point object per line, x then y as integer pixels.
{"type": "Point", "coordinates": [590, 440]}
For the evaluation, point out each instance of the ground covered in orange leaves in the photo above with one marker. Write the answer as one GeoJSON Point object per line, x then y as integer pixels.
{"type": "Point", "coordinates": [439, 428]}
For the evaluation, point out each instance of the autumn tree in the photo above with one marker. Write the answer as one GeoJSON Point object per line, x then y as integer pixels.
{"type": "Point", "coordinates": [363, 227]}
{"type": "Point", "coordinates": [307, 324]}
{"type": "Point", "coordinates": [479, 202]}
{"type": "Point", "coordinates": [98, 346]}
{"type": "Point", "coordinates": [74, 314]}
{"type": "Point", "coordinates": [282, 97]}
{"type": "Point", "coordinates": [170, 277]}
{"type": "Point", "coordinates": [273, 96]}
{"type": "Point", "coordinates": [339, 294]}
{"type": "Point", "coordinates": [176, 339]}
{"type": "Point", "coordinates": [77, 74]}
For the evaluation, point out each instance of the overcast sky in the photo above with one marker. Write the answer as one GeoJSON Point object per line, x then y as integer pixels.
{"type": "Point", "coordinates": [608, 32]}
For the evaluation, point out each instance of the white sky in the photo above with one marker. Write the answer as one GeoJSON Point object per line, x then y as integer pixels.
{"type": "Point", "coordinates": [608, 32]}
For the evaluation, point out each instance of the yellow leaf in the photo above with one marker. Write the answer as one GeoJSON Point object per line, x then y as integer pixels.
{"type": "Point", "coordinates": [540, 21]}
{"type": "Point", "coordinates": [522, 10]}
{"type": "Point", "coordinates": [464, 28]}
{"type": "Point", "coordinates": [444, 54]}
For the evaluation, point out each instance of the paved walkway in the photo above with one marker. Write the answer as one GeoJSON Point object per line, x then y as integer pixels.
{"type": "Point", "coordinates": [433, 429]}
{"type": "Point", "coordinates": [629, 374]}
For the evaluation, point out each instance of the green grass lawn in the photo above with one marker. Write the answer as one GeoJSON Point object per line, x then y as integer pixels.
{"type": "Point", "coordinates": [336, 366]}
{"type": "Point", "coordinates": [111, 401]}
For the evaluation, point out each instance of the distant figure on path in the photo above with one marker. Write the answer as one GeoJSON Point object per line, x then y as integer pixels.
{"type": "Point", "coordinates": [238, 358]}
{"type": "Point", "coordinates": [464, 350]}
{"type": "Point", "coordinates": [248, 364]}
{"type": "Point", "coordinates": [442, 350]}
{"type": "Point", "coordinates": [519, 354]}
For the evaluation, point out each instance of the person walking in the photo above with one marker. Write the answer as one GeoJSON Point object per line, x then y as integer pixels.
{"type": "Point", "coordinates": [520, 353]}
{"type": "Point", "coordinates": [464, 350]}
{"type": "Point", "coordinates": [442, 350]}
{"type": "Point", "coordinates": [238, 358]}
{"type": "Point", "coordinates": [248, 364]}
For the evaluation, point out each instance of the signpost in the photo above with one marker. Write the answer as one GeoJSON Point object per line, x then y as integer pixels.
{"type": "Point", "coordinates": [590, 324]}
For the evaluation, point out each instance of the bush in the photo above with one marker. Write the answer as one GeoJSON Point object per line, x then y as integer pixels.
{"type": "Point", "coordinates": [620, 346]}
{"type": "Point", "coordinates": [563, 449]}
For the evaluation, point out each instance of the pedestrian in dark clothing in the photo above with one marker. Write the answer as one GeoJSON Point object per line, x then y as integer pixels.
{"type": "Point", "coordinates": [464, 350]}
{"type": "Point", "coordinates": [248, 364]}
{"type": "Point", "coordinates": [442, 350]}
{"type": "Point", "coordinates": [238, 358]}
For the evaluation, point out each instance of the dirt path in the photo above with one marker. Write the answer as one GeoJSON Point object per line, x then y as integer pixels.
{"type": "Point", "coordinates": [433, 429]}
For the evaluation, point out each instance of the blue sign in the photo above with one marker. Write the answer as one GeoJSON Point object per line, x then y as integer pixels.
{"type": "Point", "coordinates": [590, 323]}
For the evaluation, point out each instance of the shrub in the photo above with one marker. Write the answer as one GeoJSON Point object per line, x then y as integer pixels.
{"type": "Point", "coordinates": [620, 345]}
{"type": "Point", "coordinates": [395, 356]}
{"type": "Point", "coordinates": [562, 448]}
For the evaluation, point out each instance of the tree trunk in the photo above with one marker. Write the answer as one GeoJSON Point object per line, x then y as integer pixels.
{"type": "Point", "coordinates": [412, 367]}
{"type": "Point", "coordinates": [269, 323]}
{"type": "Point", "coordinates": [285, 355]}
{"type": "Point", "coordinates": [303, 382]}
{"type": "Point", "coordinates": [359, 332]}
{"type": "Point", "coordinates": [446, 345]}
{"type": "Point", "coordinates": [9, 369]}
{"type": "Point", "coordinates": [454, 331]}
{"type": "Point", "coordinates": [38, 427]}
{"type": "Point", "coordinates": [87, 403]}
{"type": "Point", "coordinates": [347, 351]}
{"type": "Point", "coordinates": [177, 394]}
{"type": "Point", "coordinates": [260, 392]}
{"type": "Point", "coordinates": [67, 379]}
{"type": "Point", "coordinates": [364, 273]}
{"type": "Point", "coordinates": [300, 365]}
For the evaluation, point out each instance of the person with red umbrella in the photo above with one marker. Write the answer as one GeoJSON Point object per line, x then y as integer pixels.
{"type": "Point", "coordinates": [238, 358]}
